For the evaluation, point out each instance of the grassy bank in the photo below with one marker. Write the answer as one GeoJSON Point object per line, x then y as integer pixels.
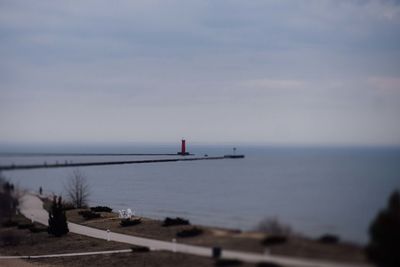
{"type": "Point", "coordinates": [295, 246]}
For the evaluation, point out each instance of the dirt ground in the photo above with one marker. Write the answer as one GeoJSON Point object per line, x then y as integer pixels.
{"type": "Point", "coordinates": [228, 239]}
{"type": "Point", "coordinates": [21, 263]}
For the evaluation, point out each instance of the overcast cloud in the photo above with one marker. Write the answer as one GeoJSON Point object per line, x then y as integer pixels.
{"type": "Point", "coordinates": [277, 72]}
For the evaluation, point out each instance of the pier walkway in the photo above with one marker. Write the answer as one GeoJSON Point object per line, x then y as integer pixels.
{"type": "Point", "coordinates": [32, 207]}
{"type": "Point", "coordinates": [100, 163]}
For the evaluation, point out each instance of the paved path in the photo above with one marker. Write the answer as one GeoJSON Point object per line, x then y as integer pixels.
{"type": "Point", "coordinates": [31, 207]}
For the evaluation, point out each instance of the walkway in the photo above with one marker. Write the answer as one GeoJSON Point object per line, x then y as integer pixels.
{"type": "Point", "coordinates": [102, 163]}
{"type": "Point", "coordinates": [31, 206]}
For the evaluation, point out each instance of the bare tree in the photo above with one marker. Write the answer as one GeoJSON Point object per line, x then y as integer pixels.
{"type": "Point", "coordinates": [77, 189]}
{"type": "Point", "coordinates": [274, 226]}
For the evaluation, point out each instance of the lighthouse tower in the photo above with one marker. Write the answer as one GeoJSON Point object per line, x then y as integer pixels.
{"type": "Point", "coordinates": [183, 148]}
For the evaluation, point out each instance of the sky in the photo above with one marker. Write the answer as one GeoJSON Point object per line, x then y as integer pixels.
{"type": "Point", "coordinates": [319, 72]}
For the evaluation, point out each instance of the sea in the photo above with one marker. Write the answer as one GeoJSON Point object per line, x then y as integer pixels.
{"type": "Point", "coordinates": [314, 190]}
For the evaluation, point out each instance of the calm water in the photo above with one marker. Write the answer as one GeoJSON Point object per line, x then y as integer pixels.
{"type": "Point", "coordinates": [315, 190]}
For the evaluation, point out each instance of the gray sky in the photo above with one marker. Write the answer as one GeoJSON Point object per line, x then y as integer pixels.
{"type": "Point", "coordinates": [277, 72]}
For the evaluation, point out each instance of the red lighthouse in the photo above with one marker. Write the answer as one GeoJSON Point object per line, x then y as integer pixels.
{"type": "Point", "coordinates": [183, 148]}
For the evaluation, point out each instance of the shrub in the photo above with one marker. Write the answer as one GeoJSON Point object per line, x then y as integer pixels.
{"type": "Point", "coordinates": [9, 223]}
{"type": "Point", "coordinates": [101, 209]}
{"type": "Point", "coordinates": [274, 240]}
{"type": "Point", "coordinates": [57, 220]}
{"type": "Point", "coordinates": [177, 221]}
{"type": "Point", "coordinates": [383, 248]}
{"type": "Point", "coordinates": [8, 199]}
{"type": "Point", "coordinates": [130, 222]}
{"type": "Point", "coordinates": [268, 264]}
{"type": "Point", "coordinates": [25, 225]}
{"type": "Point", "coordinates": [68, 206]}
{"type": "Point", "coordinates": [140, 249]}
{"type": "Point", "coordinates": [88, 214]}
{"type": "Point", "coordinates": [227, 262]}
{"type": "Point", "coordinates": [194, 231]}
{"type": "Point", "coordinates": [36, 229]}
{"type": "Point", "coordinates": [329, 239]}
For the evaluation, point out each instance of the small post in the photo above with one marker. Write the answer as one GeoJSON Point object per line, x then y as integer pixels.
{"type": "Point", "coordinates": [108, 235]}
{"type": "Point", "coordinates": [216, 252]}
{"type": "Point", "coordinates": [32, 220]}
{"type": "Point", "coordinates": [174, 245]}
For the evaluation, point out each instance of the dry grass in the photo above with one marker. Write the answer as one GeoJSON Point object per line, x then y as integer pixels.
{"type": "Point", "coordinates": [42, 243]}
{"type": "Point", "coordinates": [150, 228]}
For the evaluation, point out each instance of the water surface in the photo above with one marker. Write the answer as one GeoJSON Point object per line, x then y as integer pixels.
{"type": "Point", "coordinates": [315, 190]}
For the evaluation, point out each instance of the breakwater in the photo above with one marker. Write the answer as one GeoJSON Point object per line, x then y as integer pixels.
{"type": "Point", "coordinates": [101, 163]}
{"type": "Point", "coordinates": [5, 154]}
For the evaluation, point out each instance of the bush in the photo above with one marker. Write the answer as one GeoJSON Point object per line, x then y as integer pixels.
{"type": "Point", "coordinates": [9, 223]}
{"type": "Point", "coordinates": [383, 248]}
{"type": "Point", "coordinates": [88, 214]}
{"type": "Point", "coordinates": [329, 239]}
{"type": "Point", "coordinates": [25, 225]}
{"type": "Point", "coordinates": [140, 249]}
{"type": "Point", "coordinates": [130, 222]}
{"type": "Point", "coordinates": [274, 240]}
{"type": "Point", "coordinates": [8, 200]}
{"type": "Point", "coordinates": [57, 220]}
{"type": "Point", "coordinates": [68, 206]}
{"type": "Point", "coordinates": [190, 232]}
{"type": "Point", "coordinates": [228, 262]}
{"type": "Point", "coordinates": [36, 229]}
{"type": "Point", "coordinates": [177, 221]}
{"type": "Point", "coordinates": [268, 264]}
{"type": "Point", "coordinates": [101, 209]}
